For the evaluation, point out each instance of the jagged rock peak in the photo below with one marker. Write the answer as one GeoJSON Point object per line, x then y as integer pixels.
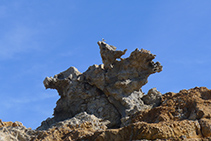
{"type": "Point", "coordinates": [110, 91]}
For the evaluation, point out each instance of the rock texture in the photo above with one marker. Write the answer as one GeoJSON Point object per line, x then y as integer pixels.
{"type": "Point", "coordinates": [106, 103]}
{"type": "Point", "coordinates": [10, 131]}
{"type": "Point", "coordinates": [111, 91]}
{"type": "Point", "coordinates": [180, 116]}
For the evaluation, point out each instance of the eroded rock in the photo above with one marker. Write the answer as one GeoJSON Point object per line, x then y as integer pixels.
{"type": "Point", "coordinates": [15, 131]}
{"type": "Point", "coordinates": [111, 91]}
{"type": "Point", "coordinates": [109, 54]}
{"type": "Point", "coordinates": [78, 121]}
{"type": "Point", "coordinates": [167, 122]}
{"type": "Point", "coordinates": [151, 131]}
{"type": "Point", "coordinates": [205, 127]}
{"type": "Point", "coordinates": [109, 96]}
{"type": "Point", "coordinates": [152, 98]}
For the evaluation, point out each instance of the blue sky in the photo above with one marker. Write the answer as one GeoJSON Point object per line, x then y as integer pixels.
{"type": "Point", "coordinates": [42, 38]}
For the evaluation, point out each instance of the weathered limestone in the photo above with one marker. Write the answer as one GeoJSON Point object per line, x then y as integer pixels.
{"type": "Point", "coordinates": [152, 98]}
{"type": "Point", "coordinates": [80, 120]}
{"type": "Point", "coordinates": [109, 54]}
{"type": "Point", "coordinates": [10, 131]}
{"type": "Point", "coordinates": [168, 121]}
{"type": "Point", "coordinates": [77, 96]}
{"type": "Point", "coordinates": [109, 96]}
{"type": "Point", "coordinates": [178, 130]}
{"type": "Point", "coordinates": [123, 81]}
{"type": "Point", "coordinates": [111, 91]}
{"type": "Point", "coordinates": [205, 126]}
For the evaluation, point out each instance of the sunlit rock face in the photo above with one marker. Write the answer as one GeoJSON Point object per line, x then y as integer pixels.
{"type": "Point", "coordinates": [106, 103]}
{"type": "Point", "coordinates": [110, 91]}
{"type": "Point", "coordinates": [180, 116]}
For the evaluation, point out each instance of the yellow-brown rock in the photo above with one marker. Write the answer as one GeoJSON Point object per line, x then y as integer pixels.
{"type": "Point", "coordinates": [9, 123]}
{"type": "Point", "coordinates": [152, 131]}
{"type": "Point", "coordinates": [205, 127]}
{"type": "Point", "coordinates": [181, 116]}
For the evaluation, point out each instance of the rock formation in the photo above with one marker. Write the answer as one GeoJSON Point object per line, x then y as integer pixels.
{"type": "Point", "coordinates": [110, 91]}
{"type": "Point", "coordinates": [180, 116]}
{"type": "Point", "coordinates": [106, 103]}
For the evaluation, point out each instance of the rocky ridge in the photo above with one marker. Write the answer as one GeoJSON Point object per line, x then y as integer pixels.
{"type": "Point", "coordinates": [106, 103]}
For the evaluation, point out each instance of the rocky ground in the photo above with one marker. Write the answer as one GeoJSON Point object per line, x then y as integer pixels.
{"type": "Point", "coordinates": [180, 116]}
{"type": "Point", "coordinates": [106, 103]}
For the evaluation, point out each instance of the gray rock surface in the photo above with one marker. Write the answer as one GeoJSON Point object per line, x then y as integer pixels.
{"type": "Point", "coordinates": [110, 91]}
{"type": "Point", "coordinates": [81, 121]}
{"type": "Point", "coordinates": [78, 121]}
{"type": "Point", "coordinates": [109, 54]}
{"type": "Point", "coordinates": [77, 95]}
{"type": "Point", "coordinates": [153, 97]}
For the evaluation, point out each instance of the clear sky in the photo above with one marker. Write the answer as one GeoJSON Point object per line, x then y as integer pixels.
{"type": "Point", "coordinates": [42, 38]}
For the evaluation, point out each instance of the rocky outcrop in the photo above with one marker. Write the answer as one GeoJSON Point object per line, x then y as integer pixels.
{"type": "Point", "coordinates": [180, 116]}
{"type": "Point", "coordinates": [106, 103]}
{"type": "Point", "coordinates": [142, 130]}
{"type": "Point", "coordinates": [10, 131]}
{"type": "Point", "coordinates": [81, 120]}
{"type": "Point", "coordinates": [110, 91]}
